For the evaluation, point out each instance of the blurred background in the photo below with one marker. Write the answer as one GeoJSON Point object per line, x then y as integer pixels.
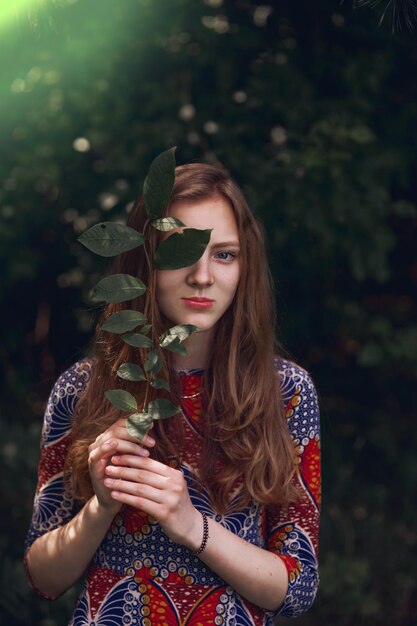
{"type": "Point", "coordinates": [312, 106]}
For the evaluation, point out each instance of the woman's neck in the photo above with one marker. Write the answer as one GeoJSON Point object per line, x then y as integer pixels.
{"type": "Point", "coordinates": [198, 346]}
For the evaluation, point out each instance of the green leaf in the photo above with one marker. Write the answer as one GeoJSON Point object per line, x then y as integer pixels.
{"type": "Point", "coordinates": [176, 346]}
{"type": "Point", "coordinates": [159, 182]}
{"type": "Point", "coordinates": [117, 288]}
{"type": "Point", "coordinates": [177, 334]}
{"type": "Point", "coordinates": [145, 330]}
{"type": "Point", "coordinates": [167, 223]}
{"type": "Point", "coordinates": [130, 371]}
{"type": "Point", "coordinates": [121, 399]}
{"type": "Point", "coordinates": [153, 362]}
{"type": "Point", "coordinates": [109, 239]}
{"type": "Point", "coordinates": [138, 424]}
{"type": "Point", "coordinates": [182, 249]}
{"type": "Point", "coordinates": [137, 340]}
{"type": "Point", "coordinates": [161, 408]}
{"type": "Point", "coordinates": [123, 321]}
{"type": "Point", "coordinates": [160, 383]}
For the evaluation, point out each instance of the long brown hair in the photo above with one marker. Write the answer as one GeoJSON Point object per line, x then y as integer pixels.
{"type": "Point", "coordinates": [246, 433]}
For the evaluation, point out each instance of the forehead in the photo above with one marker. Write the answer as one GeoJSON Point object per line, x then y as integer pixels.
{"type": "Point", "coordinates": [215, 213]}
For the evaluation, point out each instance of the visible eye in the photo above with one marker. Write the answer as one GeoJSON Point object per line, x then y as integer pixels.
{"type": "Point", "coordinates": [226, 256]}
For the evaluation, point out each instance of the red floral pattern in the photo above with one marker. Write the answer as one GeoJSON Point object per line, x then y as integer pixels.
{"type": "Point", "coordinates": [138, 575]}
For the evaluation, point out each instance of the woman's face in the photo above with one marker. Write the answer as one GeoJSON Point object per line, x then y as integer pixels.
{"type": "Point", "coordinates": [201, 293]}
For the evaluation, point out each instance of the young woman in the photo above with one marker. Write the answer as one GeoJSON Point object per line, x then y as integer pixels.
{"type": "Point", "coordinates": [213, 517]}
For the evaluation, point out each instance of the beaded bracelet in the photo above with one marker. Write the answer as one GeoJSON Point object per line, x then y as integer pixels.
{"type": "Point", "coordinates": [205, 534]}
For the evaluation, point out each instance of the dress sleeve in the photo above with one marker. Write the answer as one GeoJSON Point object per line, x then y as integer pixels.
{"type": "Point", "coordinates": [292, 532]}
{"type": "Point", "coordinates": [54, 504]}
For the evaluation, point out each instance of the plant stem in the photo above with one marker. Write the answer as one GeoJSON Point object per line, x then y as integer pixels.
{"type": "Point", "coordinates": [145, 250]}
{"type": "Point", "coordinates": [149, 273]}
{"type": "Point", "coordinates": [146, 396]}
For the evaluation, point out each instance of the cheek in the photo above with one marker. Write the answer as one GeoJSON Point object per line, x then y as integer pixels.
{"type": "Point", "coordinates": [231, 284]}
{"type": "Point", "coordinates": [235, 279]}
{"type": "Point", "coordinates": [167, 289]}
{"type": "Point", "coordinates": [162, 294]}
{"type": "Point", "coordinates": [164, 279]}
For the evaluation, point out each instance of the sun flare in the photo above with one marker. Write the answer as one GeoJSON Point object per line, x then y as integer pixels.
{"type": "Point", "coordinates": [11, 10]}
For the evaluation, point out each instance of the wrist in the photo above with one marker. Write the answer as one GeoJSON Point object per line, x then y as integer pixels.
{"type": "Point", "coordinates": [195, 535]}
{"type": "Point", "coordinates": [205, 537]}
{"type": "Point", "coordinates": [102, 511]}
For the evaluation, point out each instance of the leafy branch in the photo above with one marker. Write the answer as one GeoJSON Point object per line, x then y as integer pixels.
{"type": "Point", "coordinates": [178, 250]}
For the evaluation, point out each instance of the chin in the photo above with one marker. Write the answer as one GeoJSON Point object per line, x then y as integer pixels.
{"type": "Point", "coordinates": [197, 321]}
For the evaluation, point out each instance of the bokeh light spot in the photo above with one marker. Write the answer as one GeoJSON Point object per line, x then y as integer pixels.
{"type": "Point", "coordinates": [81, 144]}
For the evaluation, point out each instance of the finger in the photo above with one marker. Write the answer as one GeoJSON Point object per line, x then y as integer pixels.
{"type": "Point", "coordinates": [128, 447]}
{"type": "Point", "coordinates": [148, 506]}
{"type": "Point", "coordinates": [120, 446]}
{"type": "Point", "coordinates": [137, 476]}
{"type": "Point", "coordinates": [98, 468]}
{"type": "Point", "coordinates": [138, 490]}
{"type": "Point", "coordinates": [142, 463]}
{"type": "Point", "coordinates": [120, 432]}
{"type": "Point", "coordinates": [99, 442]}
{"type": "Point", "coordinates": [103, 451]}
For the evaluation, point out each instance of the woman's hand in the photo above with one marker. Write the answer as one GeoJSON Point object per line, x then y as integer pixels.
{"type": "Point", "coordinates": [114, 440]}
{"type": "Point", "coordinates": [158, 490]}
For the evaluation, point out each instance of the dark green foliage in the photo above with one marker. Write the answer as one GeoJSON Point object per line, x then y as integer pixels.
{"type": "Point", "coordinates": [123, 321]}
{"type": "Point", "coordinates": [137, 340]}
{"type": "Point", "coordinates": [181, 249]}
{"type": "Point", "coordinates": [153, 362]}
{"type": "Point", "coordinates": [167, 223]}
{"type": "Point", "coordinates": [130, 371]}
{"type": "Point", "coordinates": [121, 399]}
{"type": "Point", "coordinates": [159, 182]}
{"type": "Point", "coordinates": [107, 239]}
{"type": "Point", "coordinates": [176, 346]}
{"type": "Point", "coordinates": [161, 408]}
{"type": "Point", "coordinates": [138, 424]}
{"type": "Point", "coordinates": [176, 334]}
{"type": "Point", "coordinates": [160, 383]}
{"type": "Point", "coordinates": [312, 108]}
{"type": "Point", "coordinates": [117, 288]}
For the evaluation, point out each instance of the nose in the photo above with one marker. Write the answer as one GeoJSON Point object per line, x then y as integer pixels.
{"type": "Point", "coordinates": [200, 274]}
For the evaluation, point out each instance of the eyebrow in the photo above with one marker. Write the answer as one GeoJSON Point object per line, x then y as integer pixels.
{"type": "Point", "coordinates": [226, 244]}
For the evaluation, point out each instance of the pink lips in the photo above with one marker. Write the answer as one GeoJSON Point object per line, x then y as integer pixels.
{"type": "Point", "coordinates": [198, 303]}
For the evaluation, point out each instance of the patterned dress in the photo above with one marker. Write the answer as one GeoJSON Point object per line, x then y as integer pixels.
{"type": "Point", "coordinates": [138, 576]}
